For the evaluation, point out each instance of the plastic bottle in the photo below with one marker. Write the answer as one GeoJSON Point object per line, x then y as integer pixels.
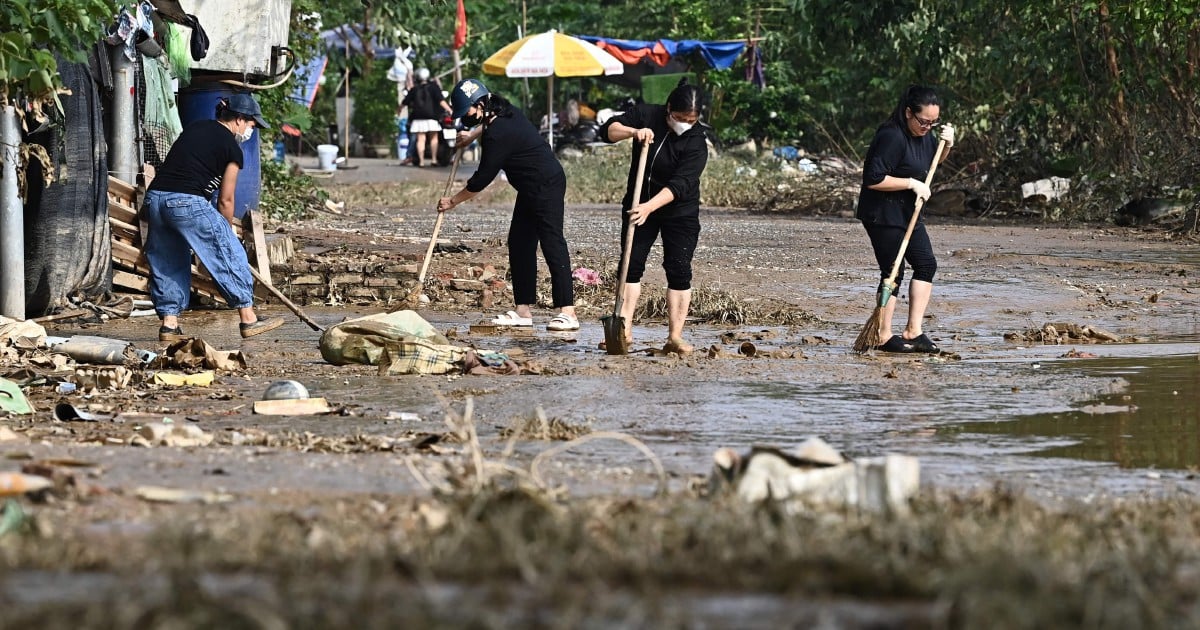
{"type": "Point", "coordinates": [280, 150]}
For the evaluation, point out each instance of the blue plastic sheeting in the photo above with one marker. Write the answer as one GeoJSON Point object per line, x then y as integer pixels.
{"type": "Point", "coordinates": [310, 78]}
{"type": "Point", "coordinates": [719, 55]}
{"type": "Point", "coordinates": [337, 38]}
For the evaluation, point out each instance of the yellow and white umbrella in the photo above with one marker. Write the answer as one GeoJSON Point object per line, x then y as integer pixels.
{"type": "Point", "coordinates": [552, 54]}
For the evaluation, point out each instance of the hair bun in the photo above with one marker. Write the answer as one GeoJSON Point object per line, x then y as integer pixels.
{"type": "Point", "coordinates": [682, 82]}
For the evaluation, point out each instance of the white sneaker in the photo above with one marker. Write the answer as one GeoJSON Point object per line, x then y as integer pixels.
{"type": "Point", "coordinates": [562, 321]}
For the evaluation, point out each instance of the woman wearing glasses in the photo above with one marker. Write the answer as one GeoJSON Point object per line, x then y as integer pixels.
{"type": "Point", "coordinates": [894, 172]}
{"type": "Point", "coordinates": [670, 203]}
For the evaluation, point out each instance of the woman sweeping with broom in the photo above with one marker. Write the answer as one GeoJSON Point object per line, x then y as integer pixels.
{"type": "Point", "coordinates": [898, 162]}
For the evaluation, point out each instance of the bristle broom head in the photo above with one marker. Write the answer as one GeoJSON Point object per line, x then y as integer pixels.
{"type": "Point", "coordinates": [869, 338]}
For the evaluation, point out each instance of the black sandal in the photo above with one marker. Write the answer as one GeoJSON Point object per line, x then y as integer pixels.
{"type": "Point", "coordinates": [924, 344]}
{"type": "Point", "coordinates": [896, 343]}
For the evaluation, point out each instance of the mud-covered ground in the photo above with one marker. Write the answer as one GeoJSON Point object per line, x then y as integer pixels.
{"type": "Point", "coordinates": [388, 446]}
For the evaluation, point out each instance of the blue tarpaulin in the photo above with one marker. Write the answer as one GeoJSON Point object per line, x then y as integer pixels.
{"type": "Point", "coordinates": [720, 55]}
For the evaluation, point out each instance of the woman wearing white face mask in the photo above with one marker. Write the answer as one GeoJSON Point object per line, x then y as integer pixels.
{"type": "Point", "coordinates": [206, 158]}
{"type": "Point", "coordinates": [670, 203]}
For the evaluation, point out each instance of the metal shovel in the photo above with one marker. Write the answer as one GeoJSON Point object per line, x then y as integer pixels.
{"type": "Point", "coordinates": [615, 341]}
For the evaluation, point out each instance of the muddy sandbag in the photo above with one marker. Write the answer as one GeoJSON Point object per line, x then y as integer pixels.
{"type": "Point", "coordinates": [362, 340]}
{"type": "Point", "coordinates": [98, 350]}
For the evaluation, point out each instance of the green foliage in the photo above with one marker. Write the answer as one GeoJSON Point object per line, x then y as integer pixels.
{"type": "Point", "coordinates": [288, 195]}
{"type": "Point", "coordinates": [375, 106]}
{"type": "Point", "coordinates": [31, 31]}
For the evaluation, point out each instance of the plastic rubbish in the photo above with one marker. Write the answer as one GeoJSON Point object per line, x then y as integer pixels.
{"type": "Point", "coordinates": [285, 390]}
{"type": "Point", "coordinates": [66, 412]}
{"type": "Point", "coordinates": [817, 477]}
{"type": "Point", "coordinates": [12, 399]}
{"type": "Point", "coordinates": [14, 483]}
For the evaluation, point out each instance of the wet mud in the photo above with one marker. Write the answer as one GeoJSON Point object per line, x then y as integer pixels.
{"type": "Point", "coordinates": [1054, 420]}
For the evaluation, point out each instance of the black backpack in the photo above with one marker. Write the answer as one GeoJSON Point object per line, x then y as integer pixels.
{"type": "Point", "coordinates": [424, 106]}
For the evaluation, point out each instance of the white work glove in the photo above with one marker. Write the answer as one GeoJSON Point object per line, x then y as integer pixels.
{"type": "Point", "coordinates": [947, 134]}
{"type": "Point", "coordinates": [918, 187]}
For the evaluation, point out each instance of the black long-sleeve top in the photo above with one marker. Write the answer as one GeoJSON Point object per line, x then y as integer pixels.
{"type": "Point", "coordinates": [674, 162]}
{"type": "Point", "coordinates": [512, 143]}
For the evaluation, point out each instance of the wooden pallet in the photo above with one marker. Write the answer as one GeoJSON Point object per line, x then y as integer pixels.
{"type": "Point", "coordinates": [130, 269]}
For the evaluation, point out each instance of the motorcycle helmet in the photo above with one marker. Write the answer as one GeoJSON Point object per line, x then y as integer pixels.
{"type": "Point", "coordinates": [465, 94]}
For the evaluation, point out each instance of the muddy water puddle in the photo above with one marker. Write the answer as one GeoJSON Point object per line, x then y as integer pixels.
{"type": "Point", "coordinates": [1154, 422]}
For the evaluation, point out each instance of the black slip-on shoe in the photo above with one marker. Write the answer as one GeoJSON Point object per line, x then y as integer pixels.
{"type": "Point", "coordinates": [924, 344]}
{"type": "Point", "coordinates": [259, 327]}
{"type": "Point", "coordinates": [896, 343]}
{"type": "Point", "coordinates": [170, 334]}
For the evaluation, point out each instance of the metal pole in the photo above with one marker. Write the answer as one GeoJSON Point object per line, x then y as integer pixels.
{"type": "Point", "coordinates": [346, 109]}
{"type": "Point", "coordinates": [122, 134]}
{"type": "Point", "coordinates": [12, 220]}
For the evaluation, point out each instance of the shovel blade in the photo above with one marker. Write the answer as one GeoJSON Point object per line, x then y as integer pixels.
{"type": "Point", "coordinates": [614, 334]}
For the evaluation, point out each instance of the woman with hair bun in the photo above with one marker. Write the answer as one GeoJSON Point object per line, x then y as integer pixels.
{"type": "Point", "coordinates": [894, 171]}
{"type": "Point", "coordinates": [670, 202]}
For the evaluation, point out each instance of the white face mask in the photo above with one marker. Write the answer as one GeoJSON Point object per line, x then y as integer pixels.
{"type": "Point", "coordinates": [678, 127]}
{"type": "Point", "coordinates": [245, 135]}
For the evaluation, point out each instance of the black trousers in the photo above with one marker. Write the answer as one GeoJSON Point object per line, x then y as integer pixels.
{"type": "Point", "coordinates": [886, 239]}
{"type": "Point", "coordinates": [680, 234]}
{"type": "Point", "coordinates": [538, 219]}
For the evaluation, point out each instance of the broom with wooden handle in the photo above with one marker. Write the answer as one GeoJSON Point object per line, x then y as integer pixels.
{"type": "Point", "coordinates": [870, 338]}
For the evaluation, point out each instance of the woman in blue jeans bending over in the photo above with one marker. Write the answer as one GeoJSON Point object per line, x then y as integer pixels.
{"type": "Point", "coordinates": [204, 159]}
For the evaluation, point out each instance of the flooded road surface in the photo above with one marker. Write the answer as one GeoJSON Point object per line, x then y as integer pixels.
{"type": "Point", "coordinates": [1153, 423]}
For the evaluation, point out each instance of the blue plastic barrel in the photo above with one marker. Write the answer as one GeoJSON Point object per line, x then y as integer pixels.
{"type": "Point", "coordinates": [200, 103]}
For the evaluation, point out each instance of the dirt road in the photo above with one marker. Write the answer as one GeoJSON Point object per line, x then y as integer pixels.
{"type": "Point", "coordinates": [994, 280]}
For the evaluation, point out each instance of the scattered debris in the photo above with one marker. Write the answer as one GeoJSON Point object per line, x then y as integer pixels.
{"type": "Point", "coordinates": [159, 494]}
{"type": "Point", "coordinates": [15, 483]}
{"type": "Point", "coordinates": [1062, 333]}
{"type": "Point", "coordinates": [178, 379]}
{"type": "Point", "coordinates": [12, 399]}
{"type": "Point", "coordinates": [66, 412]}
{"type": "Point", "coordinates": [292, 407]}
{"type": "Point", "coordinates": [817, 477]}
{"type": "Point", "coordinates": [171, 434]}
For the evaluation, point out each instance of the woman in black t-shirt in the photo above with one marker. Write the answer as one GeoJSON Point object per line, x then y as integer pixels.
{"type": "Point", "coordinates": [511, 143]}
{"type": "Point", "coordinates": [670, 203]}
{"type": "Point", "coordinates": [894, 171]}
{"type": "Point", "coordinates": [205, 159]}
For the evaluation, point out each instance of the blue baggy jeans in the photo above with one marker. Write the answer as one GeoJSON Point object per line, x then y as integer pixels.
{"type": "Point", "coordinates": [179, 225]}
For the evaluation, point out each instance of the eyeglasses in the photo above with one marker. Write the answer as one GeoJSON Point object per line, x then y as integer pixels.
{"type": "Point", "coordinates": [685, 118]}
{"type": "Point", "coordinates": [925, 124]}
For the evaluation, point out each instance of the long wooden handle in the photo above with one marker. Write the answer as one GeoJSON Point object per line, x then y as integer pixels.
{"type": "Point", "coordinates": [437, 225]}
{"type": "Point", "coordinates": [286, 302]}
{"type": "Point", "coordinates": [628, 251]}
{"type": "Point", "coordinates": [912, 223]}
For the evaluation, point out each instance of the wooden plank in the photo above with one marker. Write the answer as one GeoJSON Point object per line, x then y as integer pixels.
{"type": "Point", "coordinates": [120, 187]}
{"type": "Point", "coordinates": [131, 281]}
{"type": "Point", "coordinates": [124, 231]}
{"type": "Point", "coordinates": [256, 248]}
{"type": "Point", "coordinates": [122, 212]}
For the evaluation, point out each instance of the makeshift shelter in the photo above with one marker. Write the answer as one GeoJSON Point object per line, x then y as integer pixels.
{"type": "Point", "coordinates": [551, 54]}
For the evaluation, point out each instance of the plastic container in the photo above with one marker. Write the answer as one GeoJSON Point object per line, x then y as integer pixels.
{"type": "Point", "coordinates": [327, 157]}
{"type": "Point", "coordinates": [200, 103]}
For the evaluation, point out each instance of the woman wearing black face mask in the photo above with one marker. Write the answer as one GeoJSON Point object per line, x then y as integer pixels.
{"type": "Point", "coordinates": [670, 203]}
{"type": "Point", "coordinates": [511, 143]}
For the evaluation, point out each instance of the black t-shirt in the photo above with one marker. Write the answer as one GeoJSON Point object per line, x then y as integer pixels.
{"type": "Point", "coordinates": [893, 152]}
{"type": "Point", "coordinates": [512, 143]}
{"type": "Point", "coordinates": [674, 161]}
{"type": "Point", "coordinates": [197, 160]}
{"type": "Point", "coordinates": [425, 101]}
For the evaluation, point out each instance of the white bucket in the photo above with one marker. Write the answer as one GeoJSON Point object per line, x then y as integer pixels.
{"type": "Point", "coordinates": [326, 156]}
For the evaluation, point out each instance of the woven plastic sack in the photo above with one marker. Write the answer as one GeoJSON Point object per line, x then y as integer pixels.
{"type": "Point", "coordinates": [362, 340]}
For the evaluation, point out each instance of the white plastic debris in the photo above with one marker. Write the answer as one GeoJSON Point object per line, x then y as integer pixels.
{"type": "Point", "coordinates": [816, 477]}
{"type": "Point", "coordinates": [1050, 188]}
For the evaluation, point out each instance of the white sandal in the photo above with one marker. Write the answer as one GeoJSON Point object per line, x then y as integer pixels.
{"type": "Point", "coordinates": [562, 321]}
{"type": "Point", "coordinates": [512, 319]}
